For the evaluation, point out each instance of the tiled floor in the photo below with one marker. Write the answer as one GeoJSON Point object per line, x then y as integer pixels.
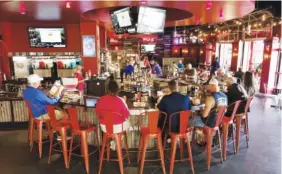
{"type": "Point", "coordinates": [262, 157]}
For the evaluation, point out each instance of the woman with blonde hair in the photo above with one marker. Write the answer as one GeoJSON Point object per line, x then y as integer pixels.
{"type": "Point", "coordinates": [80, 79]}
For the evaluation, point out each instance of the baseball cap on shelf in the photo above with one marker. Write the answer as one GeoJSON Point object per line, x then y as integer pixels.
{"type": "Point", "coordinates": [33, 78]}
{"type": "Point", "coordinates": [213, 81]}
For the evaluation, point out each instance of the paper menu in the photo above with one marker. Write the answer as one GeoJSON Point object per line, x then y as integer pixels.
{"type": "Point", "coordinates": [56, 89]}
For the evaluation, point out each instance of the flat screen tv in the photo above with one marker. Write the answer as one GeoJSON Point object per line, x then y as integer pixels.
{"type": "Point", "coordinates": [151, 20]}
{"type": "Point", "coordinates": [46, 37]}
{"type": "Point", "coordinates": [147, 48]}
{"type": "Point", "coordinates": [122, 20]}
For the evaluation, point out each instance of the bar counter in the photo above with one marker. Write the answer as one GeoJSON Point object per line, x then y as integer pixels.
{"type": "Point", "coordinates": [135, 112]}
{"type": "Point", "coordinates": [14, 110]}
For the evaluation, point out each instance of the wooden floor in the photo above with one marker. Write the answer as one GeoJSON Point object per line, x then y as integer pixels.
{"type": "Point", "coordinates": [262, 157]}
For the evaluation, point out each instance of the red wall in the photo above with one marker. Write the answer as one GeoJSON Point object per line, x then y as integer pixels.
{"type": "Point", "coordinates": [20, 42]}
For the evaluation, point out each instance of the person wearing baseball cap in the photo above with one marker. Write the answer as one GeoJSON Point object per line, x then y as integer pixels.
{"type": "Point", "coordinates": [38, 100]}
{"type": "Point", "coordinates": [214, 100]}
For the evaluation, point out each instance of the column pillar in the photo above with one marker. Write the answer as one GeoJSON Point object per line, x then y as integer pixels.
{"type": "Point", "coordinates": [5, 47]}
{"type": "Point", "coordinates": [269, 64]}
{"type": "Point", "coordinates": [89, 63]}
{"type": "Point", "coordinates": [234, 60]}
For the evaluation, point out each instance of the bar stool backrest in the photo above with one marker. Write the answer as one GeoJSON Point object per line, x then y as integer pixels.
{"type": "Point", "coordinates": [109, 117]}
{"type": "Point", "coordinates": [249, 101]}
{"type": "Point", "coordinates": [30, 113]}
{"type": "Point", "coordinates": [153, 120]}
{"type": "Point", "coordinates": [220, 114]}
{"type": "Point", "coordinates": [73, 117]}
{"type": "Point", "coordinates": [236, 106]}
{"type": "Point", "coordinates": [183, 120]}
{"type": "Point", "coordinates": [51, 114]}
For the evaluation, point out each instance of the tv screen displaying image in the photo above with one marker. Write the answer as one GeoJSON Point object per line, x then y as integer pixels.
{"type": "Point", "coordinates": [146, 48]}
{"type": "Point", "coordinates": [46, 37]}
{"type": "Point", "coordinates": [121, 20]}
{"type": "Point", "coordinates": [151, 20]}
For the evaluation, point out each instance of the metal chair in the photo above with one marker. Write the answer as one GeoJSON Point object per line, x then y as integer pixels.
{"type": "Point", "coordinates": [182, 135]}
{"type": "Point", "coordinates": [151, 131]}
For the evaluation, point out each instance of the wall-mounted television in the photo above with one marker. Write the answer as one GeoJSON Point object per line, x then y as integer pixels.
{"type": "Point", "coordinates": [151, 20]}
{"type": "Point", "coordinates": [147, 48]}
{"type": "Point", "coordinates": [121, 19]}
{"type": "Point", "coordinates": [40, 37]}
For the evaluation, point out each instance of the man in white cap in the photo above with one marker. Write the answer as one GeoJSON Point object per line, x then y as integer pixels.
{"type": "Point", "coordinates": [209, 112]}
{"type": "Point", "coordinates": [38, 99]}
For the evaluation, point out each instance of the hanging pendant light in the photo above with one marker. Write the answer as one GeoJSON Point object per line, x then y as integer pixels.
{"type": "Point", "coordinates": [221, 12]}
{"type": "Point", "coordinates": [68, 4]}
{"type": "Point", "coordinates": [22, 8]}
{"type": "Point", "coordinates": [208, 5]}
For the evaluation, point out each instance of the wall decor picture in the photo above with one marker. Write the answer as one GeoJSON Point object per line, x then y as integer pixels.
{"type": "Point", "coordinates": [88, 44]}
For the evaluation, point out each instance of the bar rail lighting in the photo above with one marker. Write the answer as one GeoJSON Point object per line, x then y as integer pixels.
{"type": "Point", "coordinates": [22, 8]}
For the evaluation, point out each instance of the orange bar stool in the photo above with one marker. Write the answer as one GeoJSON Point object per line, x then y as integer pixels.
{"type": "Point", "coordinates": [209, 135]}
{"type": "Point", "coordinates": [225, 127]}
{"type": "Point", "coordinates": [107, 136]}
{"type": "Point", "coordinates": [238, 120]}
{"type": "Point", "coordinates": [148, 132]}
{"type": "Point", "coordinates": [60, 127]}
{"type": "Point", "coordinates": [82, 130]}
{"type": "Point", "coordinates": [39, 125]}
{"type": "Point", "coordinates": [182, 135]}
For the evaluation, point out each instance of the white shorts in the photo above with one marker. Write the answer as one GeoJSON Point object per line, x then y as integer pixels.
{"type": "Point", "coordinates": [117, 127]}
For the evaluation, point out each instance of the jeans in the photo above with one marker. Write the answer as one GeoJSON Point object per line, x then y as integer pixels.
{"type": "Point", "coordinates": [197, 122]}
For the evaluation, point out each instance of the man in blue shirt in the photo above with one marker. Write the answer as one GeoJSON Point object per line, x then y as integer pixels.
{"type": "Point", "coordinates": [129, 69]}
{"type": "Point", "coordinates": [172, 103]}
{"type": "Point", "coordinates": [156, 68]}
{"type": "Point", "coordinates": [38, 99]}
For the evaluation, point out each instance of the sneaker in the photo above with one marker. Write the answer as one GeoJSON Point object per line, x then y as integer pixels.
{"type": "Point", "coordinates": [168, 140]}
{"type": "Point", "coordinates": [113, 145]}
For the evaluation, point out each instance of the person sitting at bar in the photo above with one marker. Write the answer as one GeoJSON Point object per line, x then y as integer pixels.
{"type": "Point", "coordinates": [190, 73]}
{"type": "Point", "coordinates": [209, 112]}
{"type": "Point", "coordinates": [38, 99]}
{"type": "Point", "coordinates": [221, 77]}
{"type": "Point", "coordinates": [171, 103]}
{"type": "Point", "coordinates": [234, 93]}
{"type": "Point", "coordinates": [156, 68]}
{"type": "Point", "coordinates": [129, 69]}
{"type": "Point", "coordinates": [113, 103]}
{"type": "Point", "coordinates": [249, 84]}
{"type": "Point", "coordinates": [180, 65]}
{"type": "Point", "coordinates": [204, 75]}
